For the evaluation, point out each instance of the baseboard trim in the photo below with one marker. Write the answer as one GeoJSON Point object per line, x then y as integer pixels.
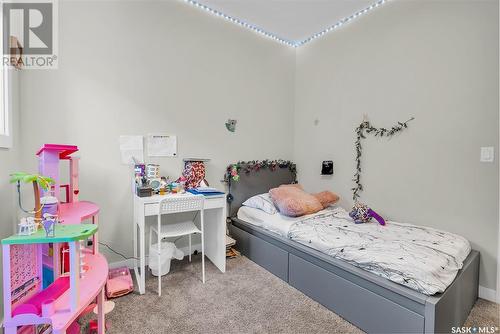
{"type": "Point", "coordinates": [130, 262]}
{"type": "Point", "coordinates": [488, 294]}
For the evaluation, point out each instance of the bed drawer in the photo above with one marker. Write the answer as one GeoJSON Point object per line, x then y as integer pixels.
{"type": "Point", "coordinates": [265, 254]}
{"type": "Point", "coordinates": [358, 305]}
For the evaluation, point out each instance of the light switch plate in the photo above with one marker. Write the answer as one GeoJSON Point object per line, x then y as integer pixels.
{"type": "Point", "coordinates": [487, 154]}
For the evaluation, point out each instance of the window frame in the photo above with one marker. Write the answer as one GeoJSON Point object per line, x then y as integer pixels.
{"type": "Point", "coordinates": [6, 138]}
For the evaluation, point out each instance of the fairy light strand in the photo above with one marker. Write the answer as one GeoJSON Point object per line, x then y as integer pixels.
{"type": "Point", "coordinates": [282, 40]}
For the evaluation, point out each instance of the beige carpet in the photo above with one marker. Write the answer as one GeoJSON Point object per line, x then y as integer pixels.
{"type": "Point", "coordinates": [246, 299]}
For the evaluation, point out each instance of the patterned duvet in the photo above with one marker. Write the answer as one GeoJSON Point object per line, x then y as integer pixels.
{"type": "Point", "coordinates": [421, 258]}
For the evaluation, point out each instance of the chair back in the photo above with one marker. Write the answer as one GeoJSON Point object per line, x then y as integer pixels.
{"type": "Point", "coordinates": [181, 204]}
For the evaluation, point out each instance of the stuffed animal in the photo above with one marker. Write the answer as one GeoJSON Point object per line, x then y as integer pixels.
{"type": "Point", "coordinates": [361, 213]}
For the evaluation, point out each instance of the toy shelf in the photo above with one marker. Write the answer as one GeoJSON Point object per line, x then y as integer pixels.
{"type": "Point", "coordinates": [76, 212]}
{"type": "Point", "coordinates": [63, 233]}
{"type": "Point", "coordinates": [90, 285]}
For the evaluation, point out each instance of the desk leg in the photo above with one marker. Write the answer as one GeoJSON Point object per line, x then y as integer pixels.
{"type": "Point", "coordinates": [140, 272]}
{"type": "Point", "coordinates": [215, 237]}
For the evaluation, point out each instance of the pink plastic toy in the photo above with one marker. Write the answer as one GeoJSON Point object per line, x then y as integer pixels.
{"type": "Point", "coordinates": [119, 282]}
{"type": "Point", "coordinates": [28, 307]}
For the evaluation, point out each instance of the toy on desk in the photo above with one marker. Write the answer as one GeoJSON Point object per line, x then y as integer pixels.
{"type": "Point", "coordinates": [153, 171]}
{"type": "Point", "coordinates": [175, 188]}
{"type": "Point", "coordinates": [194, 173]}
{"type": "Point", "coordinates": [155, 184]}
{"type": "Point", "coordinates": [140, 170]}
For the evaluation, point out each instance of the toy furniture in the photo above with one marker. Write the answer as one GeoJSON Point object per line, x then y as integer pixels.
{"type": "Point", "coordinates": [214, 208]}
{"type": "Point", "coordinates": [173, 204]}
{"type": "Point", "coordinates": [49, 280]}
{"type": "Point", "coordinates": [119, 282]}
{"type": "Point", "coordinates": [59, 305]}
{"type": "Point", "coordinates": [71, 210]}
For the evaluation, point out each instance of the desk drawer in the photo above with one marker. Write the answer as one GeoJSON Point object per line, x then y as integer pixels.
{"type": "Point", "coordinates": [215, 203]}
{"type": "Point", "coordinates": [152, 209]}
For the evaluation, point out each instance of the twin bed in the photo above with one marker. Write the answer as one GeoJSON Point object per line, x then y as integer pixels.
{"type": "Point", "coordinates": [399, 278]}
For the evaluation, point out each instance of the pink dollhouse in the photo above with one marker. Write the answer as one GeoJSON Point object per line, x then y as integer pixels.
{"type": "Point", "coordinates": [30, 306]}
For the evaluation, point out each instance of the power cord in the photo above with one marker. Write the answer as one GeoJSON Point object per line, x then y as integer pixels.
{"type": "Point", "coordinates": [116, 252]}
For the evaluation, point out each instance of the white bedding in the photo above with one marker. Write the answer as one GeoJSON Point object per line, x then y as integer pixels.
{"type": "Point", "coordinates": [276, 223]}
{"type": "Point", "coordinates": [421, 258]}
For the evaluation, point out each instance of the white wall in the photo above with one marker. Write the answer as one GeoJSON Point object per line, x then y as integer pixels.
{"type": "Point", "coordinates": [437, 61]}
{"type": "Point", "coordinates": [140, 67]}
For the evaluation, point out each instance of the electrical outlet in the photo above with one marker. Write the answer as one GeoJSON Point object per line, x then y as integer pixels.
{"type": "Point", "coordinates": [487, 154]}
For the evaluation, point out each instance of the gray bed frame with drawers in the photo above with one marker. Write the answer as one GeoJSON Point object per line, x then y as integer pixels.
{"type": "Point", "coordinates": [372, 303]}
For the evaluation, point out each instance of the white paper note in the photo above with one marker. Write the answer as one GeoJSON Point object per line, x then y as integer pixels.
{"type": "Point", "coordinates": [162, 145]}
{"type": "Point", "coordinates": [132, 147]}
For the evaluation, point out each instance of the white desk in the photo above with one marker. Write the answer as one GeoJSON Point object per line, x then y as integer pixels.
{"type": "Point", "coordinates": [214, 236]}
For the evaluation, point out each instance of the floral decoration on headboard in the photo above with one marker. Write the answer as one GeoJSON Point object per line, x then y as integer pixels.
{"type": "Point", "coordinates": [233, 171]}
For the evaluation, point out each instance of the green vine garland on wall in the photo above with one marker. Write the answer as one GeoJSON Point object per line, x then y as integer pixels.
{"type": "Point", "coordinates": [366, 127]}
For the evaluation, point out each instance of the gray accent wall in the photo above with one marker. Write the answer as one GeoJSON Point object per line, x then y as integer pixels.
{"type": "Point", "coordinates": [436, 61]}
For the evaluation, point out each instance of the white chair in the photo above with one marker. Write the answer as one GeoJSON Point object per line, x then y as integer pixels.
{"type": "Point", "coordinates": [178, 204]}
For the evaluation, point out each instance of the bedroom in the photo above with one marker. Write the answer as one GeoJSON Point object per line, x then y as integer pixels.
{"type": "Point", "coordinates": [126, 70]}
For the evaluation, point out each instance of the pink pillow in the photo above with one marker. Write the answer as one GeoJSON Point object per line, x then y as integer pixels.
{"type": "Point", "coordinates": [294, 202]}
{"type": "Point", "coordinates": [327, 198]}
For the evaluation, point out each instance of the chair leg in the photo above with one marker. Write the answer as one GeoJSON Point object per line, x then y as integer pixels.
{"type": "Point", "coordinates": [190, 248]}
{"type": "Point", "coordinates": [150, 242]}
{"type": "Point", "coordinates": [202, 248]}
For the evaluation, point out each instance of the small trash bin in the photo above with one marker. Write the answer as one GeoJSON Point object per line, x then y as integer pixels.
{"type": "Point", "coordinates": [168, 251]}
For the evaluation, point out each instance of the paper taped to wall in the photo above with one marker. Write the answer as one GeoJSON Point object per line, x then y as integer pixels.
{"type": "Point", "coordinates": [162, 146]}
{"type": "Point", "coordinates": [132, 149]}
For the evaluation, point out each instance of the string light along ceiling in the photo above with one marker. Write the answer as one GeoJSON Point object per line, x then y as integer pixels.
{"type": "Point", "coordinates": [279, 39]}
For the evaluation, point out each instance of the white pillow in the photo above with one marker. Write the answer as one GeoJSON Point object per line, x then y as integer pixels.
{"type": "Point", "coordinates": [262, 202]}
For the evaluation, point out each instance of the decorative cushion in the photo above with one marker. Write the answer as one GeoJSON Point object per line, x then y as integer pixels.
{"type": "Point", "coordinates": [262, 202]}
{"type": "Point", "coordinates": [327, 198]}
{"type": "Point", "coordinates": [294, 202]}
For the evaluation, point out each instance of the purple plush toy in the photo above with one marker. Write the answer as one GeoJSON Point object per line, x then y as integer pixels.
{"type": "Point", "coordinates": [361, 213]}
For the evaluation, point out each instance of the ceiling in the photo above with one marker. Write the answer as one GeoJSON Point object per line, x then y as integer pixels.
{"type": "Point", "coordinates": [293, 22]}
